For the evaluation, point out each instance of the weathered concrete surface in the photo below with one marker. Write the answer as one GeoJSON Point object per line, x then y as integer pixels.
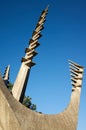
{"type": "Point", "coordinates": [14, 116]}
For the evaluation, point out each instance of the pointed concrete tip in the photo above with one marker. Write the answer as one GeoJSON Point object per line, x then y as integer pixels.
{"type": "Point", "coordinates": [71, 62]}
{"type": "Point", "coordinates": [47, 7]}
{"type": "Point", "coordinates": [9, 66]}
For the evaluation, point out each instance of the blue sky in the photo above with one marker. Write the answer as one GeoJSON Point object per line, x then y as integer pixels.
{"type": "Point", "coordinates": [64, 37]}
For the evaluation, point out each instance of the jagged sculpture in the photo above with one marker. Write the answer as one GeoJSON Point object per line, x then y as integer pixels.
{"type": "Point", "coordinates": [15, 116]}
{"type": "Point", "coordinates": [76, 74]}
{"type": "Point", "coordinates": [6, 75]}
{"type": "Point", "coordinates": [19, 87]}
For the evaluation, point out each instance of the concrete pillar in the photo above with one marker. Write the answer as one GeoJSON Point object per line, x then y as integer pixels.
{"type": "Point", "coordinates": [19, 87]}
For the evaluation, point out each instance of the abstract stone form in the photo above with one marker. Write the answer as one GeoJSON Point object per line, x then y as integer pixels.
{"type": "Point", "coordinates": [15, 116]}
{"type": "Point", "coordinates": [19, 87]}
{"type": "Point", "coordinates": [6, 75]}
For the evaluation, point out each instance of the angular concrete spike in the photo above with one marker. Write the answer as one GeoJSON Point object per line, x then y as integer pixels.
{"type": "Point", "coordinates": [76, 74]}
{"type": "Point", "coordinates": [75, 70]}
{"type": "Point", "coordinates": [42, 20]}
{"type": "Point", "coordinates": [15, 116]}
{"type": "Point", "coordinates": [19, 87]}
{"type": "Point", "coordinates": [75, 64]}
{"type": "Point", "coordinates": [6, 75]}
{"type": "Point", "coordinates": [39, 27]}
{"type": "Point", "coordinates": [33, 46]}
{"type": "Point", "coordinates": [35, 37]}
{"type": "Point", "coordinates": [30, 52]}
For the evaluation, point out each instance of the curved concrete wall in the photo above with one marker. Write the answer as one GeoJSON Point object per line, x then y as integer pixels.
{"type": "Point", "coordinates": [14, 116]}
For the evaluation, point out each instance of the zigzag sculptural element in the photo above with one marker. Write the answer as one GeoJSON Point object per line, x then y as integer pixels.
{"type": "Point", "coordinates": [21, 81]}
{"type": "Point", "coordinates": [15, 116]}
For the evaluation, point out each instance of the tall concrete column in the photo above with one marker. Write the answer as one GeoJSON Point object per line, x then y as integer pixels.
{"type": "Point", "coordinates": [19, 87]}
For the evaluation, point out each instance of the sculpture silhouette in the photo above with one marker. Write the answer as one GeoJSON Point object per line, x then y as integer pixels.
{"type": "Point", "coordinates": [15, 116]}
{"type": "Point", "coordinates": [20, 84]}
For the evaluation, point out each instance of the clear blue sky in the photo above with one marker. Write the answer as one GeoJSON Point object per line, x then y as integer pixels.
{"type": "Point", "coordinates": [64, 37]}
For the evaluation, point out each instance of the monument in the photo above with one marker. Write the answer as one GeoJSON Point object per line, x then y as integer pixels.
{"type": "Point", "coordinates": [19, 87]}
{"type": "Point", "coordinates": [15, 116]}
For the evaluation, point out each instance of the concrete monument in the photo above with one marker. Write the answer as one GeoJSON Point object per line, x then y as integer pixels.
{"type": "Point", "coordinates": [19, 87]}
{"type": "Point", "coordinates": [15, 116]}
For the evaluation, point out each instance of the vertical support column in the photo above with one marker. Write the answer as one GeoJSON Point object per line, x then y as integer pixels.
{"type": "Point", "coordinates": [21, 80]}
{"type": "Point", "coordinates": [19, 87]}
